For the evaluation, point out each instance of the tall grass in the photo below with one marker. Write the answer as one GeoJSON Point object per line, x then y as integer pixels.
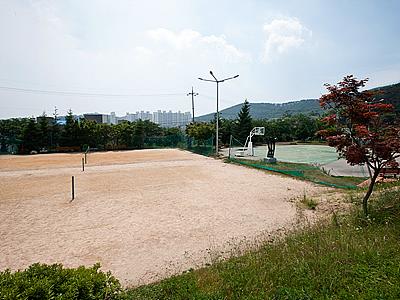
{"type": "Point", "coordinates": [350, 258]}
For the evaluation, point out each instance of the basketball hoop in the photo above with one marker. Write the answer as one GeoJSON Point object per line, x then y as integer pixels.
{"type": "Point", "coordinates": [249, 143]}
{"type": "Point", "coordinates": [258, 131]}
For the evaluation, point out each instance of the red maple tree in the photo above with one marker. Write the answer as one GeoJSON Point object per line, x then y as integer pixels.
{"type": "Point", "coordinates": [358, 129]}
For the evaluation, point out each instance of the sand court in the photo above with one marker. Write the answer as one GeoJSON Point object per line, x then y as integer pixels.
{"type": "Point", "coordinates": [142, 214]}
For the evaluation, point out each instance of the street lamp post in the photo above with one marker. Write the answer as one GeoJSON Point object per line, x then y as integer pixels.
{"type": "Point", "coordinates": [217, 121]}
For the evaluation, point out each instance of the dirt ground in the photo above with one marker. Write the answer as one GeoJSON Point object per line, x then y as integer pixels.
{"type": "Point", "coordinates": [142, 214]}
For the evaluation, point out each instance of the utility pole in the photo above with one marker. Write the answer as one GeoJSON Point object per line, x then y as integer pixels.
{"type": "Point", "coordinates": [217, 119]}
{"type": "Point", "coordinates": [193, 95]}
{"type": "Point", "coordinates": [55, 114]}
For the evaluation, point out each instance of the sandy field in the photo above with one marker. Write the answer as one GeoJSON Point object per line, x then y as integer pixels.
{"type": "Point", "coordinates": [142, 214]}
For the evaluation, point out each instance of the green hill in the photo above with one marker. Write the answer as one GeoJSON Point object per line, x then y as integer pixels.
{"type": "Point", "coordinates": [391, 94]}
{"type": "Point", "coordinates": [270, 110]}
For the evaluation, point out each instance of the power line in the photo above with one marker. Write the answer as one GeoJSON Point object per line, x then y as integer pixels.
{"type": "Point", "coordinates": [70, 93]}
{"type": "Point", "coordinates": [86, 94]}
{"type": "Point", "coordinates": [224, 100]}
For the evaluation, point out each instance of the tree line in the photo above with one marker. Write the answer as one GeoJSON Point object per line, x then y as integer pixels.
{"type": "Point", "coordinates": [299, 127]}
{"type": "Point", "coordinates": [43, 134]}
{"type": "Point", "coordinates": [24, 135]}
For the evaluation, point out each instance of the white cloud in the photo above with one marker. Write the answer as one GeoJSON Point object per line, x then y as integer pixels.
{"type": "Point", "coordinates": [181, 40]}
{"type": "Point", "coordinates": [201, 45]}
{"type": "Point", "coordinates": [282, 35]}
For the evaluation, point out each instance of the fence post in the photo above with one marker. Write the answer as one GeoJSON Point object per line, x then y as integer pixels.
{"type": "Point", "coordinates": [83, 164]}
{"type": "Point", "coordinates": [73, 188]}
{"type": "Point", "coordinates": [230, 145]}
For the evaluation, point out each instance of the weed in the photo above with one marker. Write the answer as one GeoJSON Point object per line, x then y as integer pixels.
{"type": "Point", "coordinates": [309, 202]}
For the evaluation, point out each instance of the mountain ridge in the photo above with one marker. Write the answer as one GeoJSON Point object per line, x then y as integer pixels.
{"type": "Point", "coordinates": [266, 110]}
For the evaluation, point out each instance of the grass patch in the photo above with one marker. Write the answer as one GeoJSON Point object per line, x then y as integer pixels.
{"type": "Point", "coordinates": [305, 172]}
{"type": "Point", "coordinates": [309, 202]}
{"type": "Point", "coordinates": [351, 257]}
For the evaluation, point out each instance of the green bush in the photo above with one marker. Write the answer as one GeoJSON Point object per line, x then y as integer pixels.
{"type": "Point", "coordinates": [41, 281]}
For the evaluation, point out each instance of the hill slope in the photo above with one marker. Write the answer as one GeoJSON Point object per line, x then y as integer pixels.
{"type": "Point", "coordinates": [270, 110]}
{"type": "Point", "coordinates": [391, 93]}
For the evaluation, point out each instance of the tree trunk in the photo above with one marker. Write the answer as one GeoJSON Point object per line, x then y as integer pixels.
{"type": "Point", "coordinates": [369, 171]}
{"type": "Point", "coordinates": [369, 192]}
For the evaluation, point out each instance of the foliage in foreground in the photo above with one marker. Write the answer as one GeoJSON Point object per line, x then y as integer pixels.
{"type": "Point", "coordinates": [353, 257]}
{"type": "Point", "coordinates": [42, 281]}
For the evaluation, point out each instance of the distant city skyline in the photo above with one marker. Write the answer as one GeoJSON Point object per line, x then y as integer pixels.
{"type": "Point", "coordinates": [131, 55]}
{"type": "Point", "coordinates": [162, 118]}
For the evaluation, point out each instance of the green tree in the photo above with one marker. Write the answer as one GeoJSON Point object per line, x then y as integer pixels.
{"type": "Point", "coordinates": [244, 122]}
{"type": "Point", "coordinates": [115, 136]}
{"type": "Point", "coordinates": [172, 131]}
{"type": "Point", "coordinates": [172, 137]}
{"type": "Point", "coordinates": [143, 130]}
{"type": "Point", "coordinates": [89, 134]}
{"type": "Point", "coordinates": [305, 127]}
{"type": "Point", "coordinates": [30, 136]}
{"type": "Point", "coordinates": [273, 129]}
{"type": "Point", "coordinates": [70, 134]}
{"type": "Point", "coordinates": [200, 131]}
{"type": "Point", "coordinates": [124, 133]}
{"type": "Point", "coordinates": [55, 130]}
{"type": "Point", "coordinates": [226, 128]}
{"type": "Point", "coordinates": [11, 133]}
{"type": "Point", "coordinates": [103, 133]}
{"type": "Point", "coordinates": [44, 130]}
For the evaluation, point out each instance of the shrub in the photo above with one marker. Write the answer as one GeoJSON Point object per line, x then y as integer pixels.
{"type": "Point", "coordinates": [41, 281]}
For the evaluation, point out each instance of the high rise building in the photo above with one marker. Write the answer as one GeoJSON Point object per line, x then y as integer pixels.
{"type": "Point", "coordinates": [162, 118]}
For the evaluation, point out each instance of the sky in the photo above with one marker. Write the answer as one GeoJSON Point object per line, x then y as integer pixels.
{"type": "Point", "coordinates": [124, 56]}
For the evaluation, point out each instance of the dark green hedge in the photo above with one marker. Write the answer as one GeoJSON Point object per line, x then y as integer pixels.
{"type": "Point", "coordinates": [41, 281]}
